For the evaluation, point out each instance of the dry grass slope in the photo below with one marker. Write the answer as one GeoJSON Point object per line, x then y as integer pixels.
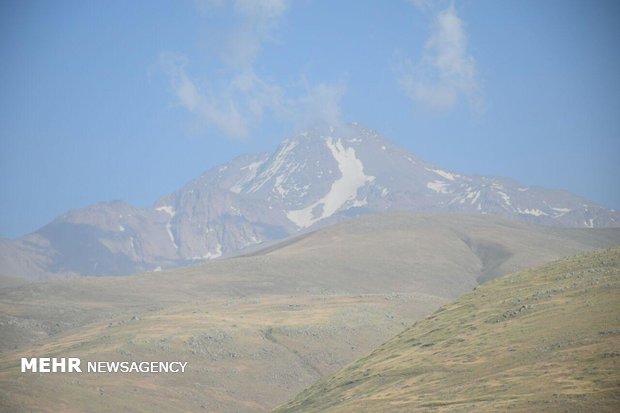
{"type": "Point", "coordinates": [258, 329]}
{"type": "Point", "coordinates": [244, 355]}
{"type": "Point", "coordinates": [442, 255]}
{"type": "Point", "coordinates": [543, 340]}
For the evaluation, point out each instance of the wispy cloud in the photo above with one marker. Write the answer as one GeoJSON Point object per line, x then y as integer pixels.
{"type": "Point", "coordinates": [423, 4]}
{"type": "Point", "coordinates": [235, 107]}
{"type": "Point", "coordinates": [446, 71]}
{"type": "Point", "coordinates": [318, 105]}
{"type": "Point", "coordinates": [236, 101]}
{"type": "Point", "coordinates": [255, 22]}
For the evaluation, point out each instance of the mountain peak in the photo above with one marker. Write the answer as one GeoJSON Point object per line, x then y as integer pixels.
{"type": "Point", "coordinates": [315, 177]}
{"type": "Point", "coordinates": [348, 131]}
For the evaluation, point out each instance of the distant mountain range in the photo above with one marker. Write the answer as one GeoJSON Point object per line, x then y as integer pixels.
{"type": "Point", "coordinates": [314, 178]}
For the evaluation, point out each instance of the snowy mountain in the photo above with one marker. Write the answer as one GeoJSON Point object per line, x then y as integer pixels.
{"type": "Point", "coordinates": [314, 178]}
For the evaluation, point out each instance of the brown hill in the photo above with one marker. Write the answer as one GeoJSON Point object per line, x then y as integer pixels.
{"type": "Point", "coordinates": [257, 329]}
{"type": "Point", "coordinates": [544, 340]}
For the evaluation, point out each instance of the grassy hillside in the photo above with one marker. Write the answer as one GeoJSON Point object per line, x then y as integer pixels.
{"type": "Point", "coordinates": [244, 355]}
{"type": "Point", "coordinates": [258, 329]}
{"type": "Point", "coordinates": [440, 255]}
{"type": "Point", "coordinates": [546, 339]}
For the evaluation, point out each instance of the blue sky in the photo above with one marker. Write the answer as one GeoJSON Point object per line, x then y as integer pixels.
{"type": "Point", "coordinates": [130, 100]}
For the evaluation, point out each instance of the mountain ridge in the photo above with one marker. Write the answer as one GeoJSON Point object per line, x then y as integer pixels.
{"type": "Point", "coordinates": [314, 178]}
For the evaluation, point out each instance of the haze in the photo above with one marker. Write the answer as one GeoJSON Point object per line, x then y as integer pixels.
{"type": "Point", "coordinates": [118, 100]}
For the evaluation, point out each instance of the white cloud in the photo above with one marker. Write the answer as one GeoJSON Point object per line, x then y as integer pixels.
{"type": "Point", "coordinates": [240, 105]}
{"type": "Point", "coordinates": [446, 71]}
{"type": "Point", "coordinates": [320, 105]}
{"type": "Point", "coordinates": [255, 21]}
{"type": "Point", "coordinates": [423, 4]}
{"type": "Point", "coordinates": [233, 109]}
{"type": "Point", "coordinates": [235, 101]}
{"type": "Point", "coordinates": [261, 10]}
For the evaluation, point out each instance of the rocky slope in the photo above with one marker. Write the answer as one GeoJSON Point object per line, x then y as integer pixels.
{"type": "Point", "coordinates": [314, 178]}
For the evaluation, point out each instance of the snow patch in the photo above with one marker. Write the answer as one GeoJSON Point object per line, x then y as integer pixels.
{"type": "Point", "coordinates": [438, 186]}
{"type": "Point", "coordinates": [343, 190]}
{"type": "Point", "coordinates": [561, 212]}
{"type": "Point", "coordinates": [533, 211]}
{"type": "Point", "coordinates": [470, 195]}
{"type": "Point", "coordinates": [210, 255]}
{"type": "Point", "coordinates": [121, 228]}
{"type": "Point", "coordinates": [171, 235]}
{"type": "Point", "coordinates": [252, 169]}
{"type": "Point", "coordinates": [589, 223]}
{"type": "Point", "coordinates": [254, 240]}
{"type": "Point", "coordinates": [277, 163]}
{"type": "Point", "coordinates": [167, 209]}
{"type": "Point", "coordinates": [444, 174]}
{"type": "Point", "coordinates": [281, 179]}
{"type": "Point", "coordinates": [504, 196]}
{"type": "Point", "coordinates": [523, 189]}
{"type": "Point", "coordinates": [357, 203]}
{"type": "Point", "coordinates": [170, 211]}
{"type": "Point", "coordinates": [473, 196]}
{"type": "Point", "coordinates": [213, 255]}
